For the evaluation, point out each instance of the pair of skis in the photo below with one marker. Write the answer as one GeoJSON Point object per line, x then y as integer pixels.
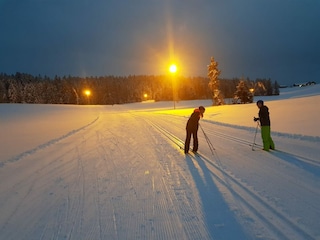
{"type": "Point", "coordinates": [212, 149]}
{"type": "Point", "coordinates": [194, 152]}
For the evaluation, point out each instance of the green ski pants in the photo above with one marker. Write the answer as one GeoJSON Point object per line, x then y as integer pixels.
{"type": "Point", "coordinates": [266, 138]}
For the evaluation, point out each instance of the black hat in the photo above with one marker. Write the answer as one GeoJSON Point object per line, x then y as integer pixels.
{"type": "Point", "coordinates": [260, 101]}
{"type": "Point", "coordinates": [202, 108]}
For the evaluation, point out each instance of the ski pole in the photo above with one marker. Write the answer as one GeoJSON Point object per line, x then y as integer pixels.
{"type": "Point", "coordinates": [212, 149]}
{"type": "Point", "coordinates": [208, 140]}
{"type": "Point", "coordinates": [255, 135]}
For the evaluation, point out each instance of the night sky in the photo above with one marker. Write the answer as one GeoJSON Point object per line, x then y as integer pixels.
{"type": "Point", "coordinates": [277, 39]}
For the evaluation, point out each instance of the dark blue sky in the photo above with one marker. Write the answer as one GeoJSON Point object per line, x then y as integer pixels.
{"type": "Point", "coordinates": [249, 38]}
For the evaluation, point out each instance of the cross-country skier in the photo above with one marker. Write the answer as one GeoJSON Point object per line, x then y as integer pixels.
{"type": "Point", "coordinates": [265, 126]}
{"type": "Point", "coordinates": [192, 129]}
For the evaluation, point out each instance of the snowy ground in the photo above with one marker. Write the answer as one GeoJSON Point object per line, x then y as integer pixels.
{"type": "Point", "coordinates": [117, 172]}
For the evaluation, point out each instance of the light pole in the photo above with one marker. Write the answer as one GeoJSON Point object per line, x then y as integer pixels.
{"type": "Point", "coordinates": [87, 93]}
{"type": "Point", "coordinates": [173, 70]}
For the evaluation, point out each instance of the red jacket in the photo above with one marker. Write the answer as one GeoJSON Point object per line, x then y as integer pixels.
{"type": "Point", "coordinates": [193, 122]}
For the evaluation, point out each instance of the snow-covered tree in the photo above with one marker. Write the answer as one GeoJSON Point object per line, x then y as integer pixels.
{"type": "Point", "coordinates": [243, 93]}
{"type": "Point", "coordinates": [213, 74]}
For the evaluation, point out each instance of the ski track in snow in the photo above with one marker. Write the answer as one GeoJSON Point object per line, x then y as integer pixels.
{"type": "Point", "coordinates": [45, 145]}
{"type": "Point", "coordinates": [274, 133]}
{"type": "Point", "coordinates": [280, 224]}
{"type": "Point", "coordinates": [98, 182]}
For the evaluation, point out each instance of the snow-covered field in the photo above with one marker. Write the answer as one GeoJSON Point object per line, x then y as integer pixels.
{"type": "Point", "coordinates": [118, 172]}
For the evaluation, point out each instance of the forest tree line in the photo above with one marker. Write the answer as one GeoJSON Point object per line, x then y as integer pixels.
{"type": "Point", "coordinates": [108, 90]}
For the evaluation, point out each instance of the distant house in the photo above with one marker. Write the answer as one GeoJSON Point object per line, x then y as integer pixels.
{"type": "Point", "coordinates": [304, 84]}
{"type": "Point", "coordinates": [311, 83]}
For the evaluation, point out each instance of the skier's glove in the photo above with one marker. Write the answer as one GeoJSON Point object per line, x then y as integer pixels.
{"type": "Point", "coordinates": [255, 119]}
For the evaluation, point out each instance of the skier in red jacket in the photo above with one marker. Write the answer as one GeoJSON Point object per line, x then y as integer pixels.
{"type": "Point", "coordinates": [192, 129]}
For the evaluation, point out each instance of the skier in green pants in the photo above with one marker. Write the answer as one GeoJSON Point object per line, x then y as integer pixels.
{"type": "Point", "coordinates": [265, 126]}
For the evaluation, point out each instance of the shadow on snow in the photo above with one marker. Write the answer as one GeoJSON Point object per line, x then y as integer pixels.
{"type": "Point", "coordinates": [220, 220]}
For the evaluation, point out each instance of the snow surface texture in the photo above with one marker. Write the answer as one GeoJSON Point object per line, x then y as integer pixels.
{"type": "Point", "coordinates": [118, 172]}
